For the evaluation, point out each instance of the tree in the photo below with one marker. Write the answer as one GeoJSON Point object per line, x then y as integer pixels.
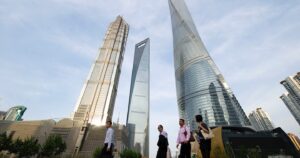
{"type": "Point", "coordinates": [128, 153]}
{"type": "Point", "coordinates": [16, 146]}
{"type": "Point", "coordinates": [28, 147]}
{"type": "Point", "coordinates": [53, 146]}
{"type": "Point", "coordinates": [5, 142]}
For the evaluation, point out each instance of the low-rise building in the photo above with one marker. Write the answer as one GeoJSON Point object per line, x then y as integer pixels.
{"type": "Point", "coordinates": [69, 131]}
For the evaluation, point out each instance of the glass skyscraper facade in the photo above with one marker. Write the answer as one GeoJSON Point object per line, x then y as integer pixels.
{"type": "Point", "coordinates": [138, 107]}
{"type": "Point", "coordinates": [15, 113]}
{"type": "Point", "coordinates": [292, 98]}
{"type": "Point", "coordinates": [201, 88]}
{"type": "Point", "coordinates": [260, 120]}
{"type": "Point", "coordinates": [96, 102]}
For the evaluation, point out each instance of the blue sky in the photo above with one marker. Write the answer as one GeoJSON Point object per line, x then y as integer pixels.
{"type": "Point", "coordinates": [47, 48]}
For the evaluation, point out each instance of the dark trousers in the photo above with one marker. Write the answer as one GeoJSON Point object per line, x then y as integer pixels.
{"type": "Point", "coordinates": [185, 150]}
{"type": "Point", "coordinates": [205, 147]}
{"type": "Point", "coordinates": [105, 153]}
{"type": "Point", "coordinates": [162, 152]}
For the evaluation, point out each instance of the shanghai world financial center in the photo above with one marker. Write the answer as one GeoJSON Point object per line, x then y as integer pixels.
{"type": "Point", "coordinates": [138, 108]}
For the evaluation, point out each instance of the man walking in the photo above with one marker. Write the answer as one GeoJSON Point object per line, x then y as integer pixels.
{"type": "Point", "coordinates": [183, 138]}
{"type": "Point", "coordinates": [107, 151]}
{"type": "Point", "coordinates": [162, 143]}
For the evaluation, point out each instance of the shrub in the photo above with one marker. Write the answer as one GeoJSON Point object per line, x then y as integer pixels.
{"type": "Point", "coordinates": [5, 142]}
{"type": "Point", "coordinates": [29, 147]}
{"type": "Point", "coordinates": [97, 152]}
{"type": "Point", "coordinates": [53, 146]}
{"type": "Point", "coordinates": [128, 153]}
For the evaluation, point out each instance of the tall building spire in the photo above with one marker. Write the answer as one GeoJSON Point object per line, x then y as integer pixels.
{"type": "Point", "coordinates": [201, 88]}
{"type": "Point", "coordinates": [96, 102]}
{"type": "Point", "coordinates": [138, 106]}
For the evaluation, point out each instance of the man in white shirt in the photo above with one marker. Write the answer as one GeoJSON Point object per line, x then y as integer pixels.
{"type": "Point", "coordinates": [108, 142]}
{"type": "Point", "coordinates": [183, 139]}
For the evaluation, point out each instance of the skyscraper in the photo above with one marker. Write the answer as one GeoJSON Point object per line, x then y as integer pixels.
{"type": "Point", "coordinates": [292, 98]}
{"type": "Point", "coordinates": [201, 88]}
{"type": "Point", "coordinates": [291, 105]}
{"type": "Point", "coordinates": [260, 120]}
{"type": "Point", "coordinates": [96, 102]}
{"type": "Point", "coordinates": [138, 107]}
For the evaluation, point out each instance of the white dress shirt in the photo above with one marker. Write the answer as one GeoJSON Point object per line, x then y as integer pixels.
{"type": "Point", "coordinates": [109, 138]}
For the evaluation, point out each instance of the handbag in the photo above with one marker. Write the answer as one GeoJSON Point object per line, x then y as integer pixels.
{"type": "Point", "coordinates": [192, 139]}
{"type": "Point", "coordinates": [208, 135]}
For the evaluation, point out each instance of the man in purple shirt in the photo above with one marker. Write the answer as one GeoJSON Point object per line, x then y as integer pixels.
{"type": "Point", "coordinates": [183, 139]}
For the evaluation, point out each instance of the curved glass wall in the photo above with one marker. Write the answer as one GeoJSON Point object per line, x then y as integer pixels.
{"type": "Point", "coordinates": [201, 88]}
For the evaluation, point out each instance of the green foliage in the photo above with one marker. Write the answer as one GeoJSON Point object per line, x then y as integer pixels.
{"type": "Point", "coordinates": [241, 152]}
{"type": "Point", "coordinates": [16, 146]}
{"type": "Point", "coordinates": [228, 150]}
{"type": "Point", "coordinates": [97, 152]}
{"type": "Point", "coordinates": [128, 153]}
{"type": "Point", "coordinates": [5, 142]}
{"type": "Point", "coordinates": [28, 147]}
{"type": "Point", "coordinates": [54, 145]}
{"type": "Point", "coordinates": [248, 152]}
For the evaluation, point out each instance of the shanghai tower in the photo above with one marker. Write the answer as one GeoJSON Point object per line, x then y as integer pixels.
{"type": "Point", "coordinates": [96, 102]}
{"type": "Point", "coordinates": [138, 107]}
{"type": "Point", "coordinates": [201, 88]}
